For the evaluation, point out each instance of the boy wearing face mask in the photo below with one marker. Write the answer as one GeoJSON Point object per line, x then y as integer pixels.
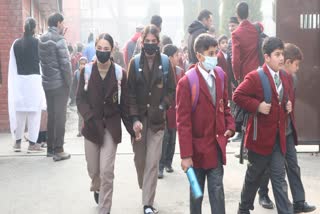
{"type": "Point", "coordinates": [204, 130]}
{"type": "Point", "coordinates": [151, 90]}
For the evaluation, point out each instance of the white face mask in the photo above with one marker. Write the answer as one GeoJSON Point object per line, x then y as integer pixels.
{"type": "Point", "coordinates": [210, 62]}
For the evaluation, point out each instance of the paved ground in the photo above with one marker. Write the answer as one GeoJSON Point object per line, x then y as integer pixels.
{"type": "Point", "coordinates": [35, 184]}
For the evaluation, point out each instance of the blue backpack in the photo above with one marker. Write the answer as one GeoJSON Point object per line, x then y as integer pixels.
{"type": "Point", "coordinates": [164, 64]}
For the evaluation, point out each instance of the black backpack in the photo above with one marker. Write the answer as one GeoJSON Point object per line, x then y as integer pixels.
{"type": "Point", "coordinates": [261, 38]}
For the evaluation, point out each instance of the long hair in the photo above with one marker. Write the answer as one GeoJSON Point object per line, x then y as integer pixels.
{"type": "Point", "coordinates": [29, 26]}
{"type": "Point", "coordinates": [149, 29]}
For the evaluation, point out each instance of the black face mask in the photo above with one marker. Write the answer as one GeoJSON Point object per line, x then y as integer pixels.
{"type": "Point", "coordinates": [151, 49]}
{"type": "Point", "coordinates": [103, 56]}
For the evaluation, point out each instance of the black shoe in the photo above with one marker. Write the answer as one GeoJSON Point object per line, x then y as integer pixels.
{"type": "Point", "coordinates": [237, 138]}
{"type": "Point", "coordinates": [160, 174]}
{"type": "Point", "coordinates": [149, 210]}
{"type": "Point", "coordinates": [169, 169]}
{"type": "Point", "coordinates": [96, 196]}
{"type": "Point", "coordinates": [61, 156]}
{"type": "Point", "coordinates": [242, 211]}
{"type": "Point", "coordinates": [303, 207]}
{"type": "Point", "coordinates": [266, 202]}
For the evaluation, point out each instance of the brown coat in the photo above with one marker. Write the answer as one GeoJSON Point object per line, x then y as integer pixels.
{"type": "Point", "coordinates": [99, 105]}
{"type": "Point", "coordinates": [146, 93]}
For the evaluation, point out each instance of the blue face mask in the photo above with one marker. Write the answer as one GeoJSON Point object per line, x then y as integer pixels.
{"type": "Point", "coordinates": [210, 62]}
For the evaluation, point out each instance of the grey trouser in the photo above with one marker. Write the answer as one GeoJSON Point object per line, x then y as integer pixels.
{"type": "Point", "coordinates": [293, 172]}
{"type": "Point", "coordinates": [100, 164]}
{"type": "Point", "coordinates": [57, 110]}
{"type": "Point", "coordinates": [147, 155]}
{"type": "Point", "coordinates": [215, 189]}
{"type": "Point", "coordinates": [257, 166]}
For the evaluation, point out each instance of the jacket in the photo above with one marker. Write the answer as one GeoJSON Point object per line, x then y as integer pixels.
{"type": "Point", "coordinates": [99, 105]}
{"type": "Point", "coordinates": [201, 132]}
{"type": "Point", "coordinates": [55, 60]}
{"type": "Point", "coordinates": [195, 29]}
{"type": "Point", "coordinates": [248, 95]}
{"type": "Point", "coordinates": [245, 57]}
{"type": "Point", "coordinates": [146, 93]}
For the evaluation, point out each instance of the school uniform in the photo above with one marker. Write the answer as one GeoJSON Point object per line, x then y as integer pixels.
{"type": "Point", "coordinates": [169, 139]}
{"type": "Point", "coordinates": [244, 49]}
{"type": "Point", "coordinates": [223, 63]}
{"type": "Point", "coordinates": [146, 92]}
{"type": "Point", "coordinates": [102, 117]}
{"type": "Point", "coordinates": [268, 150]}
{"type": "Point", "coordinates": [201, 133]}
{"type": "Point", "coordinates": [292, 167]}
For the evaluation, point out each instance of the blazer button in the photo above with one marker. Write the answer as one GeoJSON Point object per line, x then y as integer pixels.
{"type": "Point", "coordinates": [149, 93]}
{"type": "Point", "coordinates": [148, 105]}
{"type": "Point", "coordinates": [217, 135]}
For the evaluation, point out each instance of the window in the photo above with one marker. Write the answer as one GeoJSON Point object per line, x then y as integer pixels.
{"type": "Point", "coordinates": [310, 21]}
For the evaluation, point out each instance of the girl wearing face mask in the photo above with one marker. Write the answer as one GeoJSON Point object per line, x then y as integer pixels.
{"type": "Point", "coordinates": [150, 93]}
{"type": "Point", "coordinates": [102, 112]}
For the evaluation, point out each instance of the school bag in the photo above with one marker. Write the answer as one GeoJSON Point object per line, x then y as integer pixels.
{"type": "Point", "coordinates": [261, 37]}
{"type": "Point", "coordinates": [194, 84]}
{"type": "Point", "coordinates": [118, 72]}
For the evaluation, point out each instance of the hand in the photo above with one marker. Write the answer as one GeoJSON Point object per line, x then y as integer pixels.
{"type": "Point", "coordinates": [289, 107]}
{"type": "Point", "coordinates": [65, 31]}
{"type": "Point", "coordinates": [186, 163]}
{"type": "Point", "coordinates": [229, 133]}
{"type": "Point", "coordinates": [264, 108]}
{"type": "Point", "coordinates": [137, 126]}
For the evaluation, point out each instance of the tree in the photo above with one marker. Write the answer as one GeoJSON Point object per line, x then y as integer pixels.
{"type": "Point", "coordinates": [229, 9]}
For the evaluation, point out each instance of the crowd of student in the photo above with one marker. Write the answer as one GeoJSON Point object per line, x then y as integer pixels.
{"type": "Point", "coordinates": [159, 90]}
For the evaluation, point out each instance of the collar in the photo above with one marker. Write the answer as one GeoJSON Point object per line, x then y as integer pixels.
{"type": "Point", "coordinates": [272, 72]}
{"type": "Point", "coordinates": [205, 73]}
{"type": "Point", "coordinates": [225, 55]}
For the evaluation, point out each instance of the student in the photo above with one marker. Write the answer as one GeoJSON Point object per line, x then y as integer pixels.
{"type": "Point", "coordinates": [151, 89]}
{"type": "Point", "coordinates": [98, 104]}
{"type": "Point", "coordinates": [245, 57]}
{"type": "Point", "coordinates": [292, 59]}
{"type": "Point", "coordinates": [223, 59]}
{"type": "Point", "coordinates": [204, 131]}
{"type": "Point", "coordinates": [266, 151]}
{"type": "Point", "coordinates": [75, 81]}
{"type": "Point", "coordinates": [169, 139]}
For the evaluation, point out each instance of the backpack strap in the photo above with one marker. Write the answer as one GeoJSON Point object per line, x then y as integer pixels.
{"type": "Point", "coordinates": [119, 74]}
{"type": "Point", "coordinates": [137, 64]}
{"type": "Point", "coordinates": [87, 74]}
{"type": "Point", "coordinates": [267, 93]}
{"type": "Point", "coordinates": [194, 86]}
{"type": "Point", "coordinates": [221, 76]}
{"type": "Point", "coordinates": [165, 64]}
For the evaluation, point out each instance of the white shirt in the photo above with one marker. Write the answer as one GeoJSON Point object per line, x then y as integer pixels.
{"type": "Point", "coordinates": [272, 72]}
{"type": "Point", "coordinates": [225, 55]}
{"type": "Point", "coordinates": [207, 76]}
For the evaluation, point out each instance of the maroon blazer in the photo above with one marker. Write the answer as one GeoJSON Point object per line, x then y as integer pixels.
{"type": "Point", "coordinates": [99, 105]}
{"type": "Point", "coordinates": [222, 62]}
{"type": "Point", "coordinates": [171, 112]}
{"type": "Point", "coordinates": [244, 49]}
{"type": "Point", "coordinates": [248, 95]}
{"type": "Point", "coordinates": [202, 131]}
